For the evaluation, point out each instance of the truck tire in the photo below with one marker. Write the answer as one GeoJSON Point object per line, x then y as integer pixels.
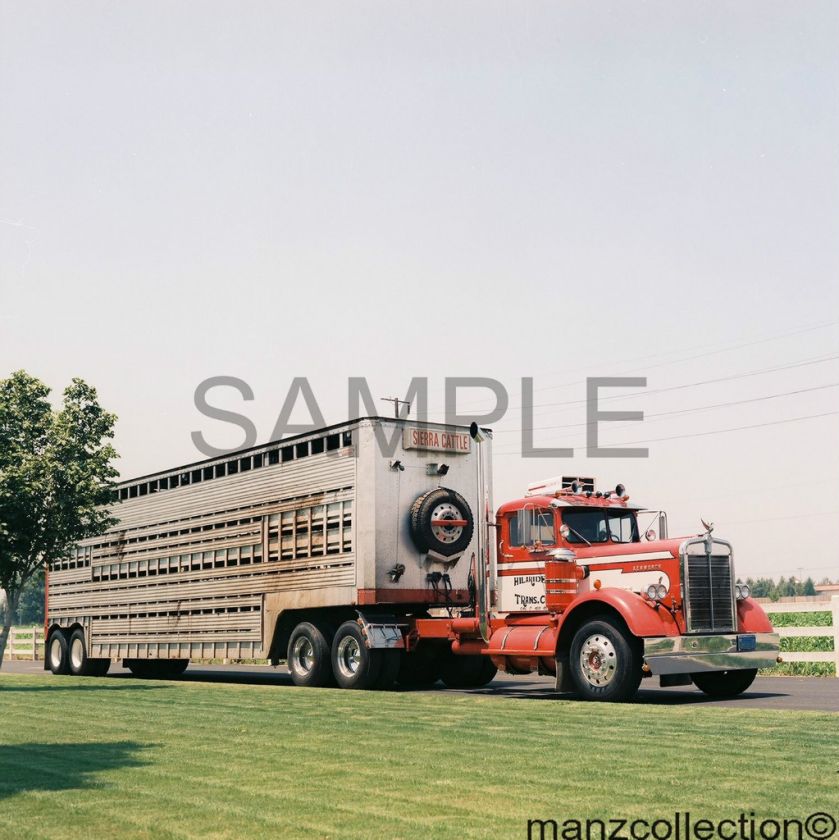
{"type": "Point", "coordinates": [308, 658]}
{"type": "Point", "coordinates": [353, 663]}
{"type": "Point", "coordinates": [724, 683]}
{"type": "Point", "coordinates": [78, 661]}
{"type": "Point", "coordinates": [466, 671]}
{"type": "Point", "coordinates": [434, 507]}
{"type": "Point", "coordinates": [605, 661]}
{"type": "Point", "coordinates": [57, 658]}
{"type": "Point", "coordinates": [419, 668]}
{"type": "Point", "coordinates": [391, 660]}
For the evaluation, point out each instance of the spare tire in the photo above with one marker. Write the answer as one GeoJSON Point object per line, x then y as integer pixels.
{"type": "Point", "coordinates": [430, 515]}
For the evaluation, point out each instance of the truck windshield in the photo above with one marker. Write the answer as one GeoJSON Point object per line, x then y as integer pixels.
{"type": "Point", "coordinates": [601, 526]}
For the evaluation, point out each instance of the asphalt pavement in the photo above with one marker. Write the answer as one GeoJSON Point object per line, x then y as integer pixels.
{"type": "Point", "coordinates": [815, 694]}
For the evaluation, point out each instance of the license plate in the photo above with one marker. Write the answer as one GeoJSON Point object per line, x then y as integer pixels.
{"type": "Point", "coordinates": [746, 643]}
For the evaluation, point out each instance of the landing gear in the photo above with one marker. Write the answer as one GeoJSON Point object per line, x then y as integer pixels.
{"type": "Point", "coordinates": [724, 684]}
{"type": "Point", "coordinates": [605, 661]}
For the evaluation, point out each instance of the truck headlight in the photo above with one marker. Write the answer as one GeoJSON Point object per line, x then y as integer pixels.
{"type": "Point", "coordinates": [661, 591]}
{"type": "Point", "coordinates": [742, 590]}
{"type": "Point", "coordinates": [656, 591]}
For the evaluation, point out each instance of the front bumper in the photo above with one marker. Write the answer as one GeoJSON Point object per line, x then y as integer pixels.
{"type": "Point", "coordinates": [689, 654]}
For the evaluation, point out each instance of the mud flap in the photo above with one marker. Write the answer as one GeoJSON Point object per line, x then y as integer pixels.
{"type": "Point", "coordinates": [563, 674]}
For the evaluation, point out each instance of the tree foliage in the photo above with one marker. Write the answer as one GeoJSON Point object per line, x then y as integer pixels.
{"type": "Point", "coordinates": [56, 478]}
{"type": "Point", "coordinates": [783, 588]}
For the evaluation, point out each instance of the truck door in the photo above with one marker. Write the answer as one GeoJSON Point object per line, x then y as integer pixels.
{"type": "Point", "coordinates": [527, 535]}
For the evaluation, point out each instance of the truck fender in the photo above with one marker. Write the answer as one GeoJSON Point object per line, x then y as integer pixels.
{"type": "Point", "coordinates": [751, 617]}
{"type": "Point", "coordinates": [640, 617]}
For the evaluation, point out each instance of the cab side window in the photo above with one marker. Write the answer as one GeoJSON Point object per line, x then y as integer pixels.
{"type": "Point", "coordinates": [530, 526]}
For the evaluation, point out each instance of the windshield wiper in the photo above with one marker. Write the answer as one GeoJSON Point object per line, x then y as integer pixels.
{"type": "Point", "coordinates": [578, 535]}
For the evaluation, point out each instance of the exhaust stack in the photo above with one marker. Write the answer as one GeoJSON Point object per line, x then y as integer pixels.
{"type": "Point", "coordinates": [482, 605]}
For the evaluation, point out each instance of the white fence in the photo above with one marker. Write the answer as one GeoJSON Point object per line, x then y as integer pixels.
{"type": "Point", "coordinates": [25, 643]}
{"type": "Point", "coordinates": [831, 606]}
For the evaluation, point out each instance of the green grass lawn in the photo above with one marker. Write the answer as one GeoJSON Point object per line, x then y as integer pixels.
{"type": "Point", "coordinates": [125, 758]}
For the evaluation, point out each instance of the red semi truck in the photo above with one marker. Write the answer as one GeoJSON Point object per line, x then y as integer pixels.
{"type": "Point", "coordinates": [369, 554]}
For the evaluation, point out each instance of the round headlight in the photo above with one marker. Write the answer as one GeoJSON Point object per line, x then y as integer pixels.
{"type": "Point", "coordinates": [745, 590]}
{"type": "Point", "coordinates": [661, 591]}
{"type": "Point", "coordinates": [652, 592]}
{"type": "Point", "coordinates": [737, 591]}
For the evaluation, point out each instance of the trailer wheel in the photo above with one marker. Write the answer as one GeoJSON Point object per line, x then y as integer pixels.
{"type": "Point", "coordinates": [309, 655]}
{"type": "Point", "coordinates": [605, 661]}
{"type": "Point", "coordinates": [467, 671]}
{"type": "Point", "coordinates": [429, 514]}
{"type": "Point", "coordinates": [58, 660]}
{"type": "Point", "coordinates": [79, 663]}
{"type": "Point", "coordinates": [353, 663]}
{"type": "Point", "coordinates": [724, 683]}
{"type": "Point", "coordinates": [420, 668]}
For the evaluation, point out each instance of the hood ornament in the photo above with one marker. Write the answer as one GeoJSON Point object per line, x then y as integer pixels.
{"type": "Point", "coordinates": [709, 526]}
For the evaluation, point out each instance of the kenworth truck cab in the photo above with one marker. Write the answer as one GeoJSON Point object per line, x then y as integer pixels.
{"type": "Point", "coordinates": [580, 593]}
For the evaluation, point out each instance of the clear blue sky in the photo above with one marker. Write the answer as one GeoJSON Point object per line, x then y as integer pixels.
{"type": "Point", "coordinates": [556, 190]}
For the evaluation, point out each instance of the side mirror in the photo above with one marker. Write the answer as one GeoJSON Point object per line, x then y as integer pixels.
{"type": "Point", "coordinates": [650, 535]}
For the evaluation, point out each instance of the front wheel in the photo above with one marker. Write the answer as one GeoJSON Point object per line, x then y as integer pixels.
{"type": "Point", "coordinates": [724, 683]}
{"type": "Point", "coordinates": [605, 661]}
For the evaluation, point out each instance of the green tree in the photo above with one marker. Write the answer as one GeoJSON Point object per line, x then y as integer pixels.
{"type": "Point", "coordinates": [30, 609]}
{"type": "Point", "coordinates": [56, 478]}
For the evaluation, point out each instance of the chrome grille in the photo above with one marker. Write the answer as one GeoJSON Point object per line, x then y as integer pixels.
{"type": "Point", "coordinates": [709, 594]}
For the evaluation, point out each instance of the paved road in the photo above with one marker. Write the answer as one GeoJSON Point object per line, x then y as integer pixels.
{"type": "Point", "coordinates": [791, 693]}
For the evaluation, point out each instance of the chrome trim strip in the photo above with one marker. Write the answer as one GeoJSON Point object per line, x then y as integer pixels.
{"type": "Point", "coordinates": [689, 654]}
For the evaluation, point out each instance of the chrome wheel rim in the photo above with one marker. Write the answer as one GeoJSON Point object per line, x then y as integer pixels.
{"type": "Point", "coordinates": [76, 654]}
{"type": "Point", "coordinates": [55, 653]}
{"type": "Point", "coordinates": [303, 655]}
{"type": "Point", "coordinates": [598, 660]}
{"type": "Point", "coordinates": [349, 656]}
{"type": "Point", "coordinates": [446, 534]}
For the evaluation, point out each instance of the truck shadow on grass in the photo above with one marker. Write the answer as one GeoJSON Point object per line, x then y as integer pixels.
{"type": "Point", "coordinates": [56, 767]}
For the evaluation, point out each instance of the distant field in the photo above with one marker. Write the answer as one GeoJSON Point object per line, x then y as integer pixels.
{"type": "Point", "coordinates": [125, 758]}
{"type": "Point", "coordinates": [803, 644]}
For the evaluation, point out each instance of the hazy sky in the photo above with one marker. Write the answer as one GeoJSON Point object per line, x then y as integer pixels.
{"type": "Point", "coordinates": [556, 190]}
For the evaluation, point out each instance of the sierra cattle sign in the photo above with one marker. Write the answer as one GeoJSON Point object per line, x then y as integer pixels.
{"type": "Point", "coordinates": [436, 440]}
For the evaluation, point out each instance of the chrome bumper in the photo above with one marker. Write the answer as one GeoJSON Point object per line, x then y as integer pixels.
{"type": "Point", "coordinates": [689, 654]}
